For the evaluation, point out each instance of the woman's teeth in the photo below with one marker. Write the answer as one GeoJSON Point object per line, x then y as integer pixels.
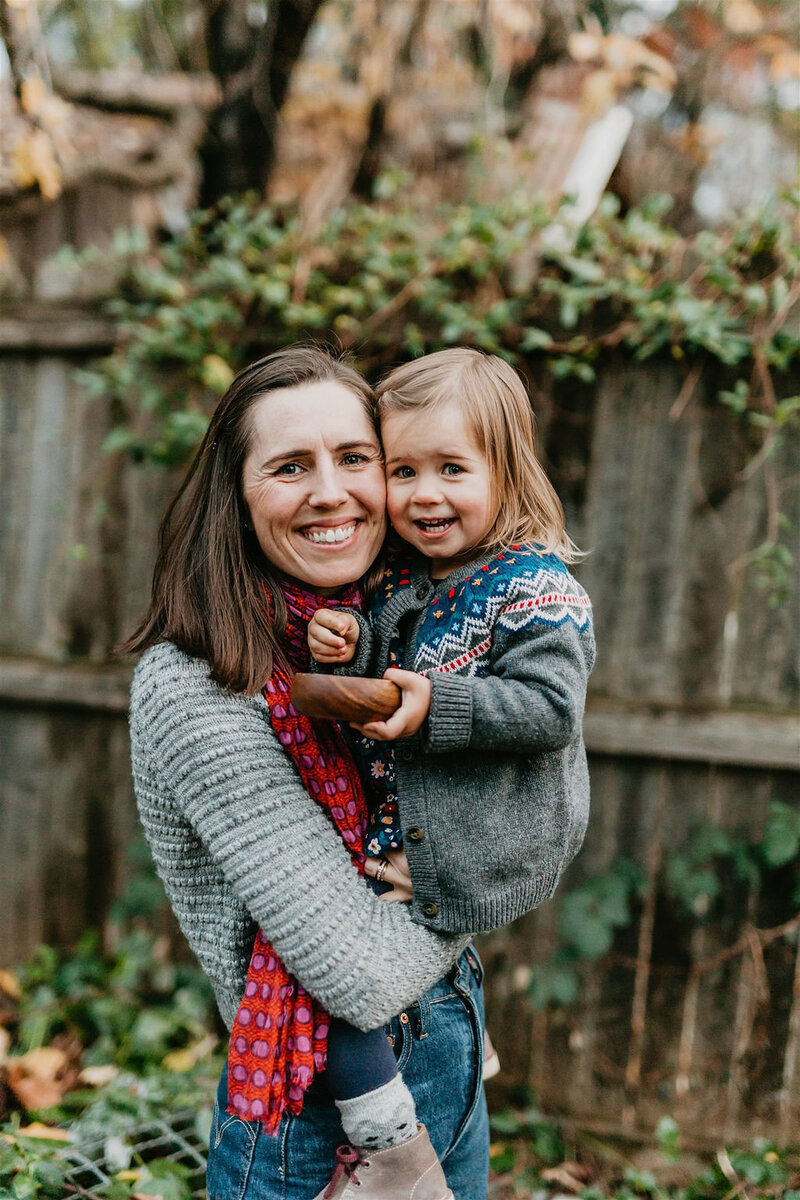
{"type": "Point", "coordinates": [341, 534]}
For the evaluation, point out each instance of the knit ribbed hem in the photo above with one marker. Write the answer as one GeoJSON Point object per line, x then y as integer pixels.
{"type": "Point", "coordinates": [449, 724]}
{"type": "Point", "coordinates": [483, 915]}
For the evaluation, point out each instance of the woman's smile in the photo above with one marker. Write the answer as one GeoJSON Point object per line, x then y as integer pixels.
{"type": "Point", "coordinates": [327, 535]}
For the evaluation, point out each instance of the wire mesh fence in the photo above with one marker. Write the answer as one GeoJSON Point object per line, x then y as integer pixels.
{"type": "Point", "coordinates": [90, 1167]}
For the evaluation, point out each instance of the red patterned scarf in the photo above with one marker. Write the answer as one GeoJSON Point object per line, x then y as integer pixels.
{"type": "Point", "coordinates": [280, 1034]}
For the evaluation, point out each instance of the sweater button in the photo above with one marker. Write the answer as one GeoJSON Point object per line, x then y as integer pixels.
{"type": "Point", "coordinates": [407, 755]}
{"type": "Point", "coordinates": [415, 835]}
{"type": "Point", "coordinates": [423, 593]}
{"type": "Point", "coordinates": [430, 910]}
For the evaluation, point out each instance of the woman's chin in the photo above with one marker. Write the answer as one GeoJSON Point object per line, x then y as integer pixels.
{"type": "Point", "coordinates": [327, 570]}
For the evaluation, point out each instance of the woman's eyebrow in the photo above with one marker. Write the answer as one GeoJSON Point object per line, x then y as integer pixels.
{"type": "Point", "coordinates": [283, 455]}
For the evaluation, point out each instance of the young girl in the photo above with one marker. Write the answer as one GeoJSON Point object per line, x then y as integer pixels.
{"type": "Point", "coordinates": [489, 638]}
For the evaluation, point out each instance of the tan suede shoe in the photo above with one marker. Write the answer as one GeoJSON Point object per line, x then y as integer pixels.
{"type": "Point", "coordinates": [407, 1171]}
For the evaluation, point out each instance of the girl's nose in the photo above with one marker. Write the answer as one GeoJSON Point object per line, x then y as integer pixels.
{"type": "Point", "coordinates": [427, 490]}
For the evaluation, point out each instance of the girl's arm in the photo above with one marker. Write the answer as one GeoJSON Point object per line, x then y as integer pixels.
{"type": "Point", "coordinates": [531, 701]}
{"type": "Point", "coordinates": [341, 639]}
{"type": "Point", "coordinates": [219, 764]}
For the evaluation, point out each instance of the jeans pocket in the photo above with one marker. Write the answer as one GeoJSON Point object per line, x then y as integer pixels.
{"type": "Point", "coordinates": [232, 1147]}
{"type": "Point", "coordinates": [474, 960]}
{"type": "Point", "coordinates": [402, 1039]}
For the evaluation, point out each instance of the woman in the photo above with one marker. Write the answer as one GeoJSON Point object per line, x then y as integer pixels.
{"type": "Point", "coordinates": [286, 496]}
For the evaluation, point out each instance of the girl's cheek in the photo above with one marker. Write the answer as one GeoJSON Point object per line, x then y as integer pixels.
{"type": "Point", "coordinates": [393, 508]}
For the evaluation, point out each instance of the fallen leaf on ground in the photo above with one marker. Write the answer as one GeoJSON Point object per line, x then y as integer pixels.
{"type": "Point", "coordinates": [34, 1078]}
{"type": "Point", "coordinates": [8, 980]}
{"type": "Point", "coordinates": [45, 1132]}
{"type": "Point", "coordinates": [99, 1076]}
{"type": "Point", "coordinates": [184, 1060]}
{"type": "Point", "coordinates": [570, 1175]}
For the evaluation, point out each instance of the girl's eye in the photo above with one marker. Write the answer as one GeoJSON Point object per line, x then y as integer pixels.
{"type": "Point", "coordinates": [452, 469]}
{"type": "Point", "coordinates": [404, 473]}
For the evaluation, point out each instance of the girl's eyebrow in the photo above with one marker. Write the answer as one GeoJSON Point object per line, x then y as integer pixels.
{"type": "Point", "coordinates": [283, 455]}
{"type": "Point", "coordinates": [450, 455]}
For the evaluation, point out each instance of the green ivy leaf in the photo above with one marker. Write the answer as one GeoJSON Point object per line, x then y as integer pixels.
{"type": "Point", "coordinates": [781, 840]}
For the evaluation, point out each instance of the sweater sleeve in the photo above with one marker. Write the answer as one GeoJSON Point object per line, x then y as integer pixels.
{"type": "Point", "coordinates": [363, 958]}
{"type": "Point", "coordinates": [362, 661]}
{"type": "Point", "coordinates": [531, 701]}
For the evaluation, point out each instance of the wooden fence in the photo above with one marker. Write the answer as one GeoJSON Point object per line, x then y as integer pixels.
{"type": "Point", "coordinates": [693, 714]}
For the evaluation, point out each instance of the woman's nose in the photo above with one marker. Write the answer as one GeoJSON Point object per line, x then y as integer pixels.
{"type": "Point", "coordinates": [328, 486]}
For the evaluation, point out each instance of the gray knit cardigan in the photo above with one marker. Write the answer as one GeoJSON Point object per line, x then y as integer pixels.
{"type": "Point", "coordinates": [239, 844]}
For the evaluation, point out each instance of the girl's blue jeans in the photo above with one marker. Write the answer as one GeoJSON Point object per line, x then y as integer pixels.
{"type": "Point", "coordinates": [438, 1041]}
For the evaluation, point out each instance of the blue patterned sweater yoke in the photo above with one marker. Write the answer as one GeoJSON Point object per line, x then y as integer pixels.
{"type": "Point", "coordinates": [493, 791]}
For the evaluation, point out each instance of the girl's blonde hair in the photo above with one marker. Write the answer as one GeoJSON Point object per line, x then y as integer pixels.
{"type": "Point", "coordinates": [500, 417]}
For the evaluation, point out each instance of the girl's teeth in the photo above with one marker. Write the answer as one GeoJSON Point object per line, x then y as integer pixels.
{"type": "Point", "coordinates": [331, 535]}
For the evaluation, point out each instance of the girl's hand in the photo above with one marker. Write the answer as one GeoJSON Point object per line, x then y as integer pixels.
{"type": "Point", "coordinates": [332, 636]}
{"type": "Point", "coordinates": [414, 706]}
{"type": "Point", "coordinates": [396, 873]}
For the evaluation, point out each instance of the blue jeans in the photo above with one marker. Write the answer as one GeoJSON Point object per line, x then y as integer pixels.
{"type": "Point", "coordinates": [438, 1042]}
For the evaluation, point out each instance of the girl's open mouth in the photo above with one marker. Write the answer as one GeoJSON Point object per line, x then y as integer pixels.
{"type": "Point", "coordinates": [434, 528]}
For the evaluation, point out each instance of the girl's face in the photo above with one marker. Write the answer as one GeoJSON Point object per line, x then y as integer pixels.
{"type": "Point", "coordinates": [439, 492]}
{"type": "Point", "coordinates": [314, 484]}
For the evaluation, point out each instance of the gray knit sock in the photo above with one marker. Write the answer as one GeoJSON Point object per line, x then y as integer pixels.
{"type": "Point", "coordinates": [380, 1118]}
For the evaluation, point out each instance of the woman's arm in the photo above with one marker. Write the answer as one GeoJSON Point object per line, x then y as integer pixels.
{"type": "Point", "coordinates": [222, 767]}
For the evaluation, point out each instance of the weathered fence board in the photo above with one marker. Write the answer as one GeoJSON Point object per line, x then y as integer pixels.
{"type": "Point", "coordinates": [668, 524]}
{"type": "Point", "coordinates": [579, 1060]}
{"type": "Point", "coordinates": [66, 822]}
{"type": "Point", "coordinates": [693, 715]}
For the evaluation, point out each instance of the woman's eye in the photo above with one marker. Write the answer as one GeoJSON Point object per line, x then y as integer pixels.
{"type": "Point", "coordinates": [288, 469]}
{"type": "Point", "coordinates": [354, 460]}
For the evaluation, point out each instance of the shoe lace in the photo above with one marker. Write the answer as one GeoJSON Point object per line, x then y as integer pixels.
{"type": "Point", "coordinates": [347, 1159]}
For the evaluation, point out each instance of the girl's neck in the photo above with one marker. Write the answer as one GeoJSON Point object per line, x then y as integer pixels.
{"type": "Point", "coordinates": [439, 569]}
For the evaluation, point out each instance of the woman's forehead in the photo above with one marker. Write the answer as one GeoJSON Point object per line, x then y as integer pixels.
{"type": "Point", "coordinates": [325, 411]}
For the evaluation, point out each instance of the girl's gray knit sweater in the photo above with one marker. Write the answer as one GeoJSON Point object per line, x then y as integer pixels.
{"type": "Point", "coordinates": [493, 790]}
{"type": "Point", "coordinates": [239, 844]}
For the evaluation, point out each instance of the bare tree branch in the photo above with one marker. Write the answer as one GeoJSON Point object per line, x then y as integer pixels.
{"type": "Point", "coordinates": [253, 69]}
{"type": "Point", "coordinates": [10, 39]}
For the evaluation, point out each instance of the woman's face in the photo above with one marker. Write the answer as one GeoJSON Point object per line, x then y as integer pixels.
{"type": "Point", "coordinates": [313, 482]}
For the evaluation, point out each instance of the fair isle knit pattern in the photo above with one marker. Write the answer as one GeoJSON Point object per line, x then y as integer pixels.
{"type": "Point", "coordinates": [516, 590]}
{"type": "Point", "coordinates": [239, 844]}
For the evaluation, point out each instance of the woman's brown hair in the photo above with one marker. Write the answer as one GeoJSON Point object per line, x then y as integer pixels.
{"type": "Point", "coordinates": [210, 576]}
{"type": "Point", "coordinates": [499, 414]}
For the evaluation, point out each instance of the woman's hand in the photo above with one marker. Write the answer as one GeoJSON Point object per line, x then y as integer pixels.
{"type": "Point", "coordinates": [414, 706]}
{"type": "Point", "coordinates": [332, 636]}
{"type": "Point", "coordinates": [391, 868]}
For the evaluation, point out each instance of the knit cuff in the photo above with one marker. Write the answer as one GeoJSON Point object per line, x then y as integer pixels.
{"type": "Point", "coordinates": [449, 723]}
{"type": "Point", "coordinates": [360, 662]}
